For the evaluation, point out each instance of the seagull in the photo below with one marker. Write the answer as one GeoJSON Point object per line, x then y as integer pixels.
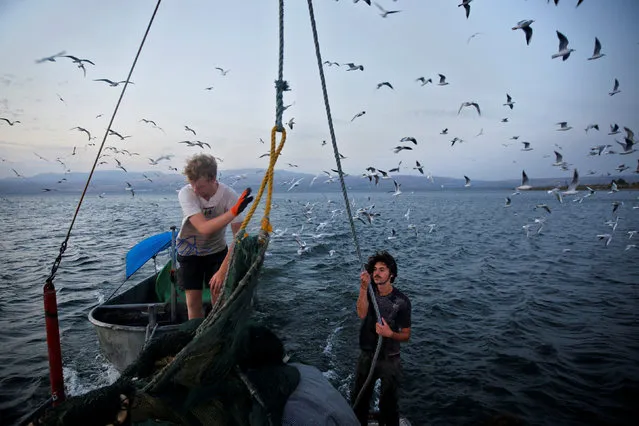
{"type": "Point", "coordinates": [606, 237]}
{"type": "Point", "coordinates": [359, 114]}
{"type": "Point", "coordinates": [614, 129]}
{"type": "Point", "coordinates": [592, 126]}
{"type": "Point", "coordinates": [563, 126]}
{"type": "Point", "coordinates": [613, 187]}
{"type": "Point", "coordinates": [188, 129]}
{"type": "Point", "coordinates": [393, 235]}
{"type": "Point", "coordinates": [572, 187]}
{"type": "Point", "coordinates": [385, 83]}
{"type": "Point", "coordinates": [330, 64]}
{"type": "Point", "coordinates": [114, 133]}
{"type": "Point", "coordinates": [466, 4]}
{"type": "Point", "coordinates": [559, 159]}
{"type": "Point", "coordinates": [401, 148]}
{"type": "Point", "coordinates": [296, 183]}
{"type": "Point", "coordinates": [442, 80]}
{"type": "Point", "coordinates": [81, 129]}
{"type": "Point", "coordinates": [467, 104]}
{"type": "Point", "coordinates": [472, 37]}
{"type": "Point", "coordinates": [384, 13]}
{"type": "Point", "coordinates": [508, 202]}
{"type": "Point", "coordinates": [504, 120]}
{"type": "Point", "coordinates": [597, 52]}
{"type": "Point", "coordinates": [525, 27]}
{"type": "Point", "coordinates": [543, 206]}
{"type": "Point", "coordinates": [50, 58]}
{"type": "Point", "coordinates": [222, 71]}
{"type": "Point", "coordinates": [409, 139]}
{"type": "Point", "coordinates": [444, 132]}
{"type": "Point", "coordinates": [509, 101]}
{"type": "Point", "coordinates": [420, 168]}
{"type": "Point", "coordinates": [524, 182]}
{"type": "Point", "coordinates": [615, 89]}
{"type": "Point", "coordinates": [398, 190]}
{"type": "Point", "coordinates": [481, 132]}
{"type": "Point", "coordinates": [196, 143]}
{"type": "Point", "coordinates": [11, 123]}
{"type": "Point", "coordinates": [563, 51]}
{"type": "Point", "coordinates": [395, 169]}
{"type": "Point", "coordinates": [209, 88]}
{"type": "Point", "coordinates": [424, 81]}
{"type": "Point", "coordinates": [291, 123]}
{"type": "Point", "coordinates": [526, 146]}
{"type": "Point", "coordinates": [353, 67]}
{"type": "Point", "coordinates": [467, 184]}
{"type": "Point", "coordinates": [112, 83]}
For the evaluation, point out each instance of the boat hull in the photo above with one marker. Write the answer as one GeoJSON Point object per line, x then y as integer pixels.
{"type": "Point", "coordinates": [125, 323]}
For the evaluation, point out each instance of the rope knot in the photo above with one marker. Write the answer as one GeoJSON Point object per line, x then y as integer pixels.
{"type": "Point", "coordinates": [281, 86]}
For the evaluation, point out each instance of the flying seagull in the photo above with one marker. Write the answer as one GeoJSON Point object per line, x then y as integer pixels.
{"type": "Point", "coordinates": [359, 114]}
{"type": "Point", "coordinates": [597, 52]}
{"type": "Point", "coordinates": [50, 58]}
{"type": "Point", "coordinates": [526, 146]}
{"type": "Point", "coordinates": [563, 126]}
{"type": "Point", "coordinates": [81, 129]}
{"type": "Point", "coordinates": [188, 129]}
{"type": "Point", "coordinates": [466, 4]}
{"type": "Point", "coordinates": [11, 123]}
{"type": "Point", "coordinates": [592, 126]}
{"type": "Point", "coordinates": [384, 83]}
{"type": "Point", "coordinates": [524, 182]}
{"type": "Point", "coordinates": [409, 139]}
{"type": "Point", "coordinates": [222, 71]}
{"type": "Point", "coordinates": [442, 80]}
{"type": "Point", "coordinates": [424, 80]}
{"type": "Point", "coordinates": [509, 101]}
{"type": "Point", "coordinates": [467, 104]}
{"type": "Point", "coordinates": [526, 28]}
{"type": "Point", "coordinates": [472, 37]}
{"type": "Point", "coordinates": [467, 184]}
{"type": "Point", "coordinates": [615, 89]}
{"type": "Point", "coordinates": [563, 51]}
{"type": "Point", "coordinates": [111, 82]}
{"type": "Point", "coordinates": [384, 13]}
{"type": "Point", "coordinates": [420, 168]}
{"type": "Point", "coordinates": [353, 67]}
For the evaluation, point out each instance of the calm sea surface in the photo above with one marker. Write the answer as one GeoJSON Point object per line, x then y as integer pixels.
{"type": "Point", "coordinates": [544, 326]}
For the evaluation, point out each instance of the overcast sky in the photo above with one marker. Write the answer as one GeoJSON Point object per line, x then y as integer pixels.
{"type": "Point", "coordinates": [189, 39]}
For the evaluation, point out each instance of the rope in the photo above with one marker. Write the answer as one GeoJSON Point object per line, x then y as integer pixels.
{"type": "Point", "coordinates": [371, 292]}
{"type": "Point", "coordinates": [63, 246]}
{"type": "Point", "coordinates": [281, 86]}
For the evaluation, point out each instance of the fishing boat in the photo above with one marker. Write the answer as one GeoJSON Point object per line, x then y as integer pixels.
{"type": "Point", "coordinates": [125, 323]}
{"type": "Point", "coordinates": [190, 376]}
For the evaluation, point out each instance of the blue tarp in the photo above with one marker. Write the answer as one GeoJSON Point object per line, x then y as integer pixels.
{"type": "Point", "coordinates": [145, 250]}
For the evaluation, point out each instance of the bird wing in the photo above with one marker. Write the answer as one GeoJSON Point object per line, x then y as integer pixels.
{"type": "Point", "coordinates": [563, 41]}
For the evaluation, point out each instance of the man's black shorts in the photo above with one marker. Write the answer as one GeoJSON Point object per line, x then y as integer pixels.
{"type": "Point", "coordinates": [195, 272]}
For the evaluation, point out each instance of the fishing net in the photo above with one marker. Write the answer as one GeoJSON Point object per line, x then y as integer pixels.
{"type": "Point", "coordinates": [223, 370]}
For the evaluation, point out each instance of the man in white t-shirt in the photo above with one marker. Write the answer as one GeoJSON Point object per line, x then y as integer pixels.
{"type": "Point", "coordinates": [208, 207]}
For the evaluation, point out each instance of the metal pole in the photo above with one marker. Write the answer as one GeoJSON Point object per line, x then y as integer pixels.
{"type": "Point", "coordinates": [53, 343]}
{"type": "Point", "coordinates": [173, 277]}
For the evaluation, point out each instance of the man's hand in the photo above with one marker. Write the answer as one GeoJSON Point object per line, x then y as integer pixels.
{"type": "Point", "coordinates": [365, 280]}
{"type": "Point", "coordinates": [216, 282]}
{"type": "Point", "coordinates": [383, 329]}
{"type": "Point", "coordinates": [242, 202]}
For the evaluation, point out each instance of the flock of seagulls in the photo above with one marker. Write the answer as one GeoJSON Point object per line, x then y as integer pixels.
{"type": "Point", "coordinates": [374, 174]}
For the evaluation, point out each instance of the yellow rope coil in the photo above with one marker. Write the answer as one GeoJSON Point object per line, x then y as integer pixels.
{"type": "Point", "coordinates": [267, 180]}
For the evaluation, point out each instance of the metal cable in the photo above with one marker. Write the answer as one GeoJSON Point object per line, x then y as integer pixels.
{"type": "Point", "coordinates": [371, 292]}
{"type": "Point", "coordinates": [63, 246]}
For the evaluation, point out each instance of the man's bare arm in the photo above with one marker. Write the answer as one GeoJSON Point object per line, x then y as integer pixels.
{"type": "Point", "coordinates": [210, 226]}
{"type": "Point", "coordinates": [402, 336]}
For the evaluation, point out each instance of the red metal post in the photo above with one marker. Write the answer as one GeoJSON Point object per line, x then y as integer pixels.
{"type": "Point", "coordinates": [53, 343]}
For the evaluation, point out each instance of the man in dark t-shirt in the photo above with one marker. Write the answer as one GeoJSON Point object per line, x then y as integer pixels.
{"type": "Point", "coordinates": [395, 311]}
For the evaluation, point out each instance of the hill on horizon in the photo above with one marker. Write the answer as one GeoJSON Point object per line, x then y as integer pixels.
{"type": "Point", "coordinates": [114, 181]}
